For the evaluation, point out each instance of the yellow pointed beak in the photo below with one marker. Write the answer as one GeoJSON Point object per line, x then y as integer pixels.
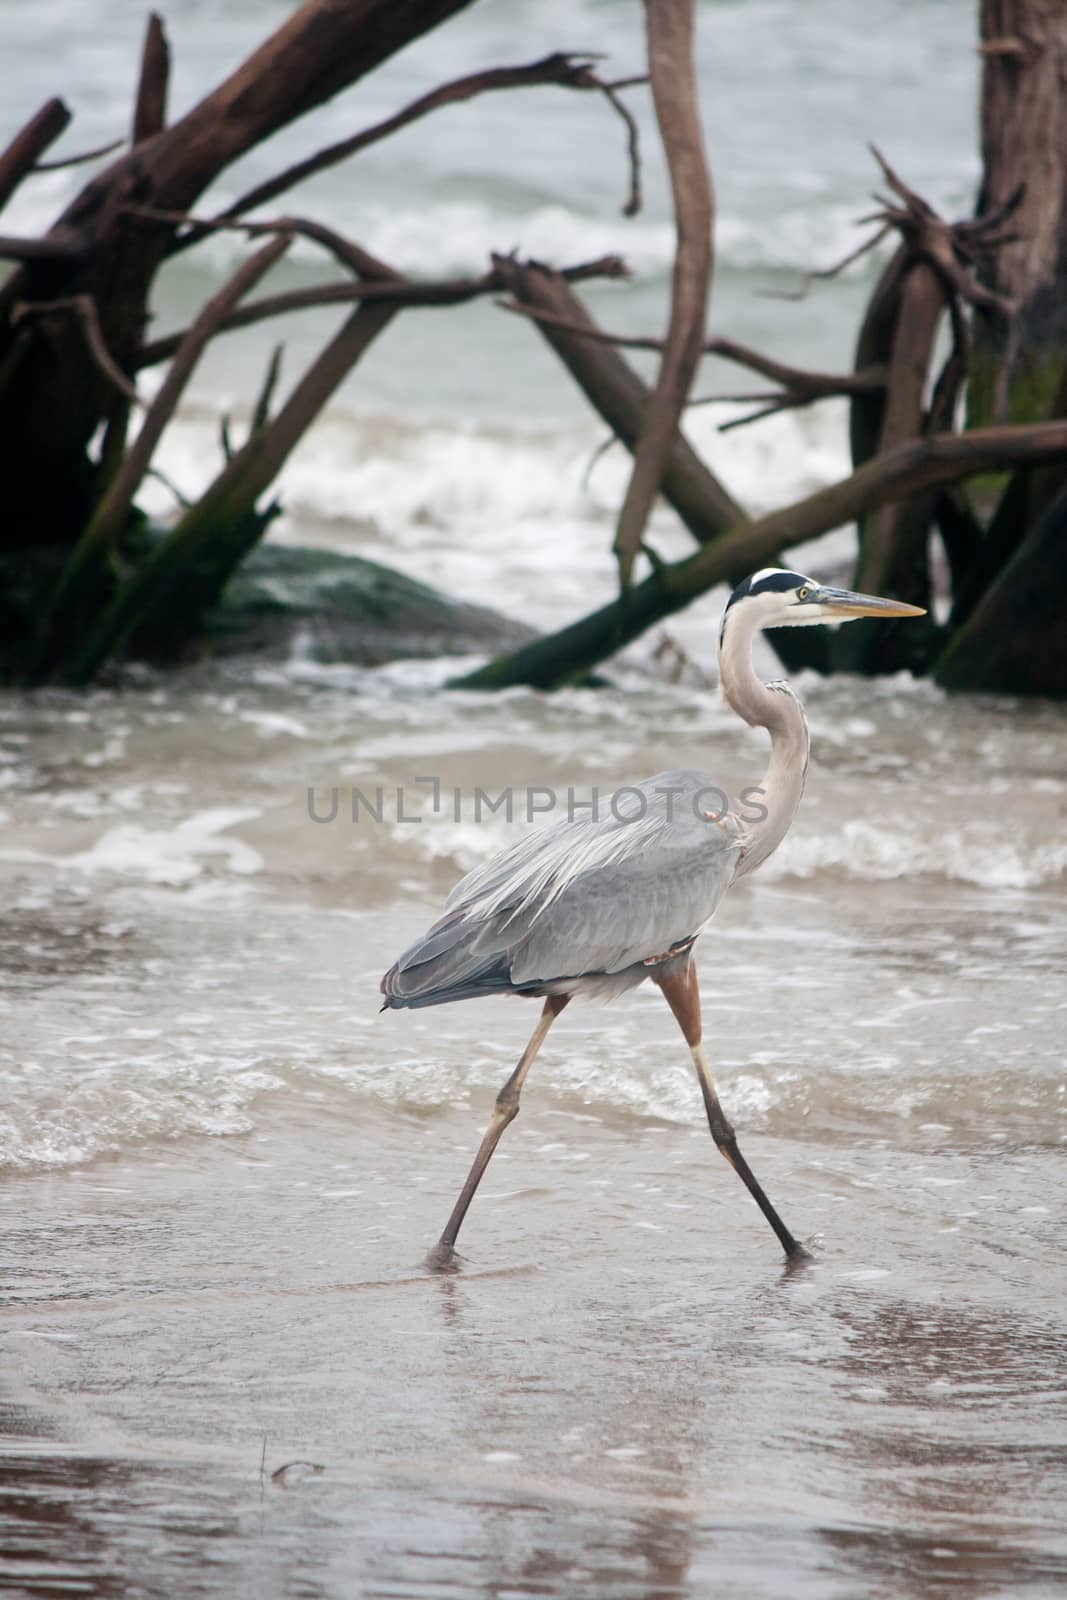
{"type": "Point", "coordinates": [843, 603]}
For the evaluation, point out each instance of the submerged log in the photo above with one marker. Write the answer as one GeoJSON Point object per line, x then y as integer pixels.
{"type": "Point", "coordinates": [569, 655]}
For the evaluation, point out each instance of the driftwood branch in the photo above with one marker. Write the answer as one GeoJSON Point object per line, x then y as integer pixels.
{"type": "Point", "coordinates": [914, 468]}
{"type": "Point", "coordinates": [67, 247]}
{"type": "Point", "coordinates": [569, 70]}
{"type": "Point", "coordinates": [83, 306]}
{"type": "Point", "coordinates": [893, 556]}
{"type": "Point", "coordinates": [109, 519]}
{"type": "Point", "coordinates": [396, 290]}
{"type": "Point", "coordinates": [947, 246]}
{"type": "Point", "coordinates": [82, 159]}
{"type": "Point", "coordinates": [213, 537]}
{"type": "Point", "coordinates": [29, 144]}
{"type": "Point", "coordinates": [821, 273]}
{"type": "Point", "coordinates": [633, 201]}
{"type": "Point", "coordinates": [350, 255]}
{"type": "Point", "coordinates": [799, 385]}
{"type": "Point", "coordinates": [619, 395]}
{"type": "Point", "coordinates": [150, 107]}
{"type": "Point", "coordinates": [669, 25]}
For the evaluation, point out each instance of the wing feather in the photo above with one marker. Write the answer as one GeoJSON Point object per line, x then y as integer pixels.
{"type": "Point", "coordinates": [589, 895]}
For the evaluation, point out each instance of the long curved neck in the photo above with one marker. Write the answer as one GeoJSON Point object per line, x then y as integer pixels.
{"type": "Point", "coordinates": [776, 708]}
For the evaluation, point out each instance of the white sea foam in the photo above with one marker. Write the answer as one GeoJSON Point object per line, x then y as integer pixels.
{"type": "Point", "coordinates": [446, 500]}
{"type": "Point", "coordinates": [973, 852]}
{"type": "Point", "coordinates": [173, 856]}
{"type": "Point", "coordinates": [976, 853]}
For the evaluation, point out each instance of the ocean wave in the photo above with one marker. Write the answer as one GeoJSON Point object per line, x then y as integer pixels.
{"type": "Point", "coordinates": [446, 499]}
{"type": "Point", "coordinates": [971, 853]}
{"type": "Point", "coordinates": [458, 237]}
{"type": "Point", "coordinates": [974, 853]}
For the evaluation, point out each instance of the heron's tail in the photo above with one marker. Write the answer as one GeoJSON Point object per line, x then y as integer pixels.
{"type": "Point", "coordinates": [453, 961]}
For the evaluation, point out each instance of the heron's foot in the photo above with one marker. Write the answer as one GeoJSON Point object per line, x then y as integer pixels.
{"type": "Point", "coordinates": [798, 1257]}
{"type": "Point", "coordinates": [443, 1258]}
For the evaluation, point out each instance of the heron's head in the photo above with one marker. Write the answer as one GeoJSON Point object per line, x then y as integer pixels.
{"type": "Point", "coordinates": [776, 598]}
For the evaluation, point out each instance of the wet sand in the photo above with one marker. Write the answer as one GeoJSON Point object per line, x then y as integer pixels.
{"type": "Point", "coordinates": [620, 1392]}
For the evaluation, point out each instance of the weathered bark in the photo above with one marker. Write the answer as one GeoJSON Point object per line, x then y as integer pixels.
{"type": "Point", "coordinates": [1016, 366]}
{"type": "Point", "coordinates": [926, 464]}
{"type": "Point", "coordinates": [893, 541]}
{"type": "Point", "coordinates": [323, 47]}
{"type": "Point", "coordinates": [670, 59]}
{"type": "Point", "coordinates": [874, 347]}
{"type": "Point", "coordinates": [620, 396]}
{"type": "Point", "coordinates": [150, 107]}
{"type": "Point", "coordinates": [22, 154]}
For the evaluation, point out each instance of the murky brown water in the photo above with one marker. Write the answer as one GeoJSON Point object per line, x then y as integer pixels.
{"type": "Point", "coordinates": [222, 1166]}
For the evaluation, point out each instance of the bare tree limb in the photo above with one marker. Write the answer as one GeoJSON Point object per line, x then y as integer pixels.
{"type": "Point", "coordinates": [567, 69]}
{"type": "Point", "coordinates": [110, 516]}
{"type": "Point", "coordinates": [168, 483]}
{"type": "Point", "coordinates": [828, 272]}
{"type": "Point", "coordinates": [350, 255]}
{"type": "Point", "coordinates": [397, 291]}
{"type": "Point", "coordinates": [150, 108]}
{"type": "Point", "coordinates": [669, 25]}
{"type": "Point", "coordinates": [84, 308]}
{"type": "Point", "coordinates": [798, 381]}
{"type": "Point", "coordinates": [24, 151]}
{"type": "Point", "coordinates": [893, 540]}
{"type": "Point", "coordinates": [216, 533]}
{"type": "Point", "coordinates": [619, 395]}
{"type": "Point", "coordinates": [265, 398]}
{"type": "Point", "coordinates": [953, 373]}
{"type": "Point", "coordinates": [54, 247]}
{"type": "Point", "coordinates": [633, 145]}
{"type": "Point", "coordinates": [97, 153]}
{"type": "Point", "coordinates": [924, 464]}
{"type": "Point", "coordinates": [946, 245]}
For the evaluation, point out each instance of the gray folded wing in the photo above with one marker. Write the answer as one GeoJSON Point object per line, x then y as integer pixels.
{"type": "Point", "coordinates": [592, 895]}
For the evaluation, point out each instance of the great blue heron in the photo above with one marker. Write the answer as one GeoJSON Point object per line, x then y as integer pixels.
{"type": "Point", "coordinates": [596, 905]}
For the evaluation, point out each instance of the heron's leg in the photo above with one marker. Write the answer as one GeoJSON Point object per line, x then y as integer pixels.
{"type": "Point", "coordinates": [505, 1111]}
{"type": "Point", "coordinates": [683, 996]}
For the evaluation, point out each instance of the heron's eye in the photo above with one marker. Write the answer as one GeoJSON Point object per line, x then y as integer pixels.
{"type": "Point", "coordinates": [802, 594]}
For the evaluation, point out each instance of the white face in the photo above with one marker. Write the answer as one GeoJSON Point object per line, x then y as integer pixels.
{"type": "Point", "coordinates": [782, 598]}
{"type": "Point", "coordinates": [777, 597]}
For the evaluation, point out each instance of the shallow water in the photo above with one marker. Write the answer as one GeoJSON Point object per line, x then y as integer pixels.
{"type": "Point", "coordinates": [223, 1166]}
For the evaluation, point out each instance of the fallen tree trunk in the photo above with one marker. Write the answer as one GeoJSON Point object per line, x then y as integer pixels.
{"type": "Point", "coordinates": [620, 396]}
{"type": "Point", "coordinates": [569, 655]}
